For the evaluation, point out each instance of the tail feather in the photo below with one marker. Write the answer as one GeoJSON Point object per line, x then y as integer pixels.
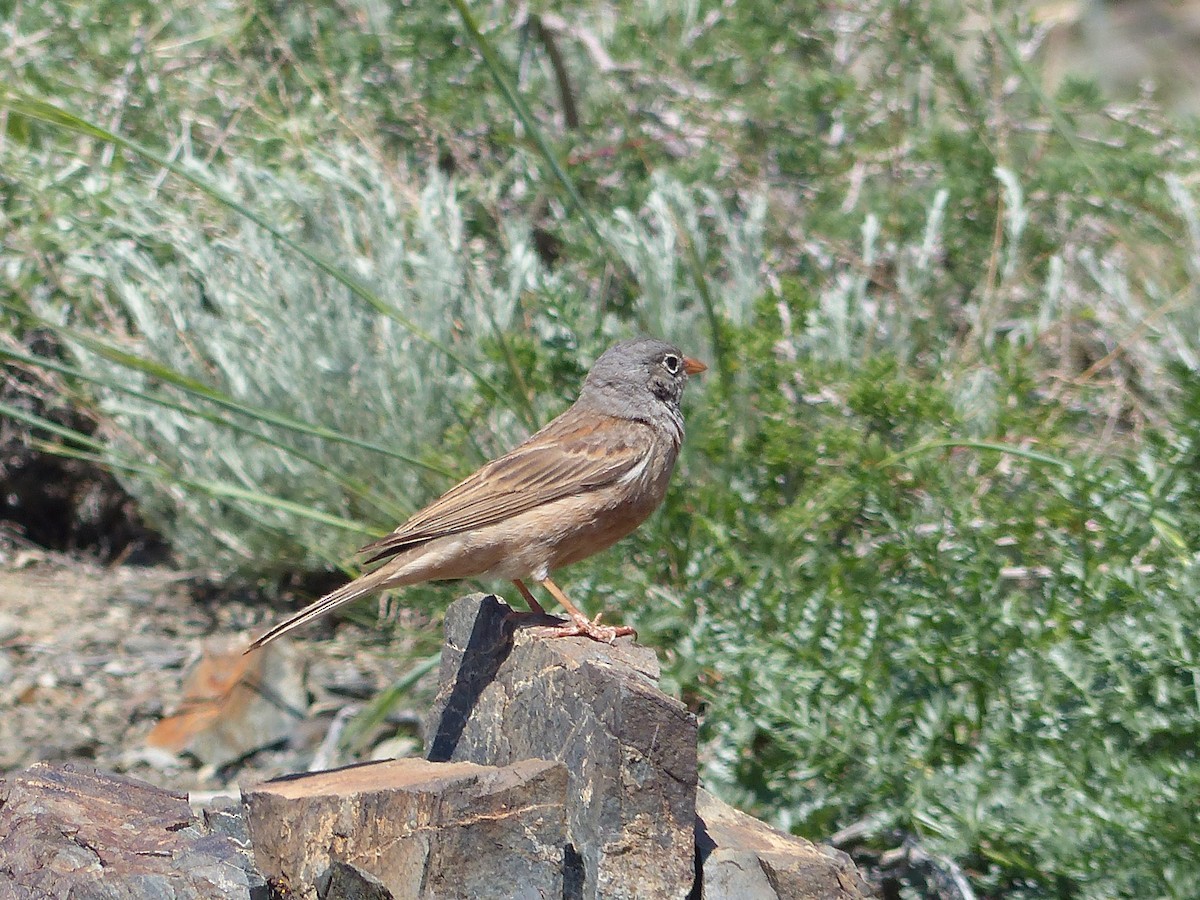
{"type": "Point", "coordinates": [347, 593]}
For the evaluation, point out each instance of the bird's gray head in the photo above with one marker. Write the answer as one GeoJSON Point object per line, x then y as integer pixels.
{"type": "Point", "coordinates": [642, 378]}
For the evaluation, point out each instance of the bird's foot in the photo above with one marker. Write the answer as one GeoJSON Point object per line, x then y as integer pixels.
{"type": "Point", "coordinates": [581, 626]}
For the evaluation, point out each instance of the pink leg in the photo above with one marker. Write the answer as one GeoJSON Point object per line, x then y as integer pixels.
{"type": "Point", "coordinates": [581, 624]}
{"type": "Point", "coordinates": [534, 606]}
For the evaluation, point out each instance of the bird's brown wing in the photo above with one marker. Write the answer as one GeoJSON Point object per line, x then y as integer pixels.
{"type": "Point", "coordinates": [571, 455]}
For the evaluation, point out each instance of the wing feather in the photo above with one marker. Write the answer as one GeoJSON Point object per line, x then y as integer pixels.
{"type": "Point", "coordinates": [567, 457]}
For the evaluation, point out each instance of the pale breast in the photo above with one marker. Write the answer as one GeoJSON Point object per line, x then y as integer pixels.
{"type": "Point", "coordinates": [596, 521]}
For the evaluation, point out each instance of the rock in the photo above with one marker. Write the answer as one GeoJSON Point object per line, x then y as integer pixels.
{"type": "Point", "coordinates": [559, 770]}
{"type": "Point", "coordinates": [402, 745]}
{"type": "Point", "coordinates": [10, 627]}
{"type": "Point", "coordinates": [415, 829]}
{"type": "Point", "coordinates": [629, 749]}
{"type": "Point", "coordinates": [742, 858]}
{"type": "Point", "coordinates": [342, 881]}
{"type": "Point", "coordinates": [74, 831]}
{"type": "Point", "coordinates": [225, 816]}
{"type": "Point", "coordinates": [235, 703]}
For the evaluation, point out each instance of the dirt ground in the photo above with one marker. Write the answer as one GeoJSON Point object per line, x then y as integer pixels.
{"type": "Point", "coordinates": [92, 658]}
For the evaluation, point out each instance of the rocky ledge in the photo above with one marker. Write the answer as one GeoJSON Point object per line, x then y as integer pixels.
{"type": "Point", "coordinates": [555, 769]}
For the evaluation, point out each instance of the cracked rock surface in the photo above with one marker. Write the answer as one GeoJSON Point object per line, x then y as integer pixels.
{"type": "Point", "coordinates": [745, 859]}
{"type": "Point", "coordinates": [506, 694]}
{"type": "Point", "coordinates": [72, 831]}
{"type": "Point", "coordinates": [415, 829]}
{"type": "Point", "coordinates": [557, 769]}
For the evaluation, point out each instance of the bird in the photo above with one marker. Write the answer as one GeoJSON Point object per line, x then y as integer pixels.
{"type": "Point", "coordinates": [576, 487]}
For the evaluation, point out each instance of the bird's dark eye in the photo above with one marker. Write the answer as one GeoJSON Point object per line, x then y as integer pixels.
{"type": "Point", "coordinates": [672, 363]}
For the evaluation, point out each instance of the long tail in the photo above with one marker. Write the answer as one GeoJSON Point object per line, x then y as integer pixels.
{"type": "Point", "coordinates": [347, 593]}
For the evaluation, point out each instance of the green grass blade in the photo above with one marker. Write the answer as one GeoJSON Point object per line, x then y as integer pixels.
{"type": "Point", "coordinates": [102, 456]}
{"type": "Point", "coordinates": [499, 74]}
{"type": "Point", "coordinates": [358, 488]}
{"type": "Point", "coordinates": [382, 703]}
{"type": "Point", "coordinates": [199, 389]}
{"type": "Point", "coordinates": [20, 415]}
{"type": "Point", "coordinates": [42, 111]}
{"type": "Point", "coordinates": [958, 444]}
{"type": "Point", "coordinates": [162, 475]}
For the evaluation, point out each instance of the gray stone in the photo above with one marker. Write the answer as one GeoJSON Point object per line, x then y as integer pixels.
{"type": "Point", "coordinates": [742, 858]}
{"type": "Point", "coordinates": [226, 816]}
{"type": "Point", "coordinates": [235, 703]}
{"type": "Point", "coordinates": [73, 831]}
{"type": "Point", "coordinates": [563, 772]}
{"type": "Point", "coordinates": [422, 830]}
{"type": "Point", "coordinates": [343, 881]}
{"type": "Point", "coordinates": [10, 627]}
{"type": "Point", "coordinates": [508, 694]}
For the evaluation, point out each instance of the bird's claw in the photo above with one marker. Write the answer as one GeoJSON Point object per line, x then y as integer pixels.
{"type": "Point", "coordinates": [582, 627]}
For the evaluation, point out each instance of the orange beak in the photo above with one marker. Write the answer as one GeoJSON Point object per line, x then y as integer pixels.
{"type": "Point", "coordinates": [693, 366]}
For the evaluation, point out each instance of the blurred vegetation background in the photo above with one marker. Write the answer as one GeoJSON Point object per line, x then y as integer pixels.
{"type": "Point", "coordinates": [929, 566]}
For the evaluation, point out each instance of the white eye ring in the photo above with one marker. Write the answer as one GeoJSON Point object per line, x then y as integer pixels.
{"type": "Point", "coordinates": [672, 363]}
